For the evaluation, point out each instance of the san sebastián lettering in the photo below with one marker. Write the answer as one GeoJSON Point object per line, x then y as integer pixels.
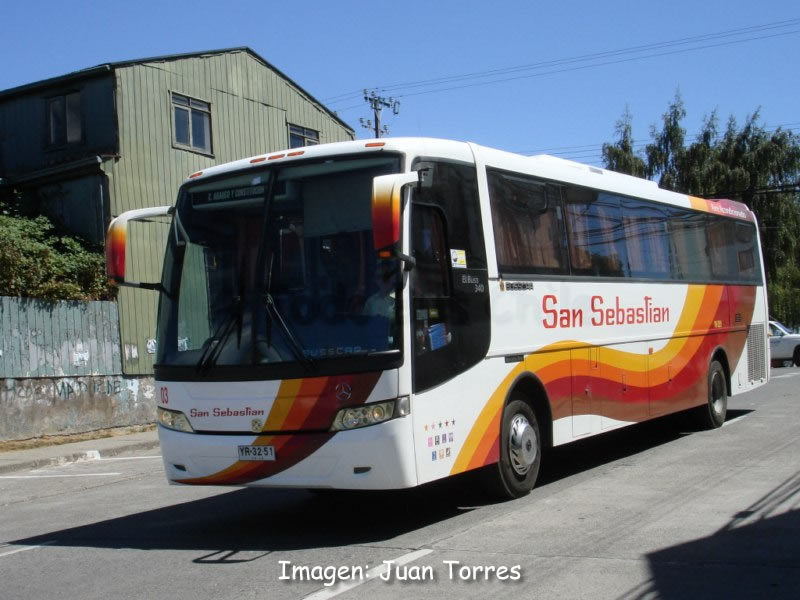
{"type": "Point", "coordinates": [601, 314]}
{"type": "Point", "coordinates": [227, 412]}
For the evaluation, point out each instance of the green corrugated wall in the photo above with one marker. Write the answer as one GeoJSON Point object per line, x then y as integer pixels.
{"type": "Point", "coordinates": [39, 338]}
{"type": "Point", "coordinates": [251, 107]}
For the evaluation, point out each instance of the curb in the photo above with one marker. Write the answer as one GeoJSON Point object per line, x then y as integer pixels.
{"type": "Point", "coordinates": [54, 461]}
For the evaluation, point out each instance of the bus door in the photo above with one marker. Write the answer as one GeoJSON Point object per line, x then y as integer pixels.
{"type": "Point", "coordinates": [585, 406]}
{"type": "Point", "coordinates": [449, 311]}
{"type": "Point", "coordinates": [625, 397]}
{"type": "Point", "coordinates": [449, 283]}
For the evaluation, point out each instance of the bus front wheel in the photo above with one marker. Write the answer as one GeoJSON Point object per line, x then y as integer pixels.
{"type": "Point", "coordinates": [515, 473]}
{"type": "Point", "coordinates": [712, 414]}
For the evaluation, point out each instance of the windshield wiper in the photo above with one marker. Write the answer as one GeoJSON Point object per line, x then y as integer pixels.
{"type": "Point", "coordinates": [236, 317]}
{"type": "Point", "coordinates": [211, 352]}
{"type": "Point", "coordinates": [273, 314]}
{"type": "Point", "coordinates": [296, 347]}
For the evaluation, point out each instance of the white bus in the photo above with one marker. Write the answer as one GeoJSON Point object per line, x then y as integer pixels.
{"type": "Point", "coordinates": [378, 315]}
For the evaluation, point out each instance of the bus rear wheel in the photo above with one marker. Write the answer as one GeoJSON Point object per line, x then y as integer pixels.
{"type": "Point", "coordinates": [515, 473]}
{"type": "Point", "coordinates": [712, 414]}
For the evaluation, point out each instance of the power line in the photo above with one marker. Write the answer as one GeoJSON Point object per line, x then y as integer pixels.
{"type": "Point", "coordinates": [766, 191]}
{"type": "Point", "coordinates": [605, 54]}
{"type": "Point", "coordinates": [586, 58]}
{"type": "Point", "coordinates": [595, 150]}
{"type": "Point", "coordinates": [591, 66]}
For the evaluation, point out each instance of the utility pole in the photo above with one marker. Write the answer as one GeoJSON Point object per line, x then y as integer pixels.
{"type": "Point", "coordinates": [378, 103]}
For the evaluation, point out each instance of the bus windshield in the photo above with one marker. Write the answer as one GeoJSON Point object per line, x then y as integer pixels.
{"type": "Point", "coordinates": [278, 266]}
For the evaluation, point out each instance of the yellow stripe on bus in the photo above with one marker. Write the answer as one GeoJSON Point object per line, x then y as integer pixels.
{"type": "Point", "coordinates": [699, 308]}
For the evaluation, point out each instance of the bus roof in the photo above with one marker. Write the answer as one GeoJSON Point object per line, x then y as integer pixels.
{"type": "Point", "coordinates": [540, 165]}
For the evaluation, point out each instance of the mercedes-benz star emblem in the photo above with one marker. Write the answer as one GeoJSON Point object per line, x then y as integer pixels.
{"type": "Point", "coordinates": [343, 392]}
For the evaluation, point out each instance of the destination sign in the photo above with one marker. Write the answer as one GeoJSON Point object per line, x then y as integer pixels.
{"type": "Point", "coordinates": [237, 194]}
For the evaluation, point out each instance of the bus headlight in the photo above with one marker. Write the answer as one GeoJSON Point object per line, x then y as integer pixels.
{"type": "Point", "coordinates": [370, 414]}
{"type": "Point", "coordinates": [173, 419]}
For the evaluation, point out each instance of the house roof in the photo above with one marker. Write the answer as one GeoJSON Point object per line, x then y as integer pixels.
{"type": "Point", "coordinates": [108, 67]}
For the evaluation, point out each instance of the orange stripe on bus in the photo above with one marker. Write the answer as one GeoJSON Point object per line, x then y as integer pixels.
{"type": "Point", "coordinates": [280, 407]}
{"type": "Point", "coordinates": [700, 308]}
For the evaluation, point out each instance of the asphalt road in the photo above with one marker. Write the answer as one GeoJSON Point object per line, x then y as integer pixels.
{"type": "Point", "coordinates": [652, 511]}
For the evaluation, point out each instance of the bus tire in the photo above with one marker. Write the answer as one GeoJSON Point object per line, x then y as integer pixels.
{"type": "Point", "coordinates": [712, 414]}
{"type": "Point", "coordinates": [515, 473]}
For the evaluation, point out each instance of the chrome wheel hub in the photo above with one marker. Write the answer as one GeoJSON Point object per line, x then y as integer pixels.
{"type": "Point", "coordinates": [522, 445]}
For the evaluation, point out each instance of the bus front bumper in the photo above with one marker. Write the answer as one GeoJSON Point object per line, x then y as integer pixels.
{"type": "Point", "coordinates": [371, 458]}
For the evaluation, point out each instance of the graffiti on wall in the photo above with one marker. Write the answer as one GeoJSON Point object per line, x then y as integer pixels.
{"type": "Point", "coordinates": [110, 386]}
{"type": "Point", "coordinates": [35, 407]}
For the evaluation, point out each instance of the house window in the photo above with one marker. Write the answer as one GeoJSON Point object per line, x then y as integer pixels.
{"type": "Point", "coordinates": [64, 119]}
{"type": "Point", "coordinates": [192, 121]}
{"type": "Point", "coordinates": [301, 136]}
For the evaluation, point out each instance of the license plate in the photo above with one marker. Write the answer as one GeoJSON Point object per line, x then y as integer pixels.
{"type": "Point", "coordinates": [256, 452]}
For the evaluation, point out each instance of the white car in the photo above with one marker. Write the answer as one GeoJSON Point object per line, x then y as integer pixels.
{"type": "Point", "coordinates": [783, 345]}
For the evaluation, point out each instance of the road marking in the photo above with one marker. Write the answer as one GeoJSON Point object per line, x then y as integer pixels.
{"type": "Point", "coordinates": [158, 456]}
{"type": "Point", "coordinates": [56, 476]}
{"type": "Point", "coordinates": [784, 376]}
{"type": "Point", "coordinates": [91, 457]}
{"type": "Point", "coordinates": [373, 573]}
{"type": "Point", "coordinates": [26, 548]}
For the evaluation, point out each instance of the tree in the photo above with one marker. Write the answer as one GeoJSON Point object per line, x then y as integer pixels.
{"type": "Point", "coordinates": [665, 155]}
{"type": "Point", "coordinates": [620, 155]}
{"type": "Point", "coordinates": [750, 164]}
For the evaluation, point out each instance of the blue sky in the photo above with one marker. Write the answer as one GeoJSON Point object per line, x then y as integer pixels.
{"type": "Point", "coordinates": [336, 48]}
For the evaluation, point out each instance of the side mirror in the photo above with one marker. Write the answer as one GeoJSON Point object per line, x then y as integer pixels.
{"type": "Point", "coordinates": [386, 191]}
{"type": "Point", "coordinates": [116, 239]}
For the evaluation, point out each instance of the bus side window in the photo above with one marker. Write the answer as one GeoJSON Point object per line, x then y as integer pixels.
{"type": "Point", "coordinates": [689, 247]}
{"type": "Point", "coordinates": [595, 227]}
{"type": "Point", "coordinates": [528, 225]}
{"type": "Point", "coordinates": [647, 240]}
{"type": "Point", "coordinates": [746, 252]}
{"type": "Point", "coordinates": [430, 279]}
{"type": "Point", "coordinates": [721, 249]}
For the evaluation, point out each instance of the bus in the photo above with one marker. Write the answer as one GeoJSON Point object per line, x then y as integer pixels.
{"type": "Point", "coordinates": [382, 314]}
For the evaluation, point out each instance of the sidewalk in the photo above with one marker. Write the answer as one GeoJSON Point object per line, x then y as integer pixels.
{"type": "Point", "coordinates": [37, 458]}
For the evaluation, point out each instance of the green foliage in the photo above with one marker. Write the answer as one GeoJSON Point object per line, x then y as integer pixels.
{"type": "Point", "coordinates": [782, 292]}
{"type": "Point", "coordinates": [750, 164]}
{"type": "Point", "coordinates": [620, 156]}
{"type": "Point", "coordinates": [665, 154]}
{"type": "Point", "coordinates": [37, 261]}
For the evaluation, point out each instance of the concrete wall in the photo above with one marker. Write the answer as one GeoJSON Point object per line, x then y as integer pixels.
{"type": "Point", "coordinates": [61, 373]}
{"type": "Point", "coordinates": [38, 407]}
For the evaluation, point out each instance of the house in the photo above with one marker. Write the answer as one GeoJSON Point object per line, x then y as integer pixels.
{"type": "Point", "coordinates": [92, 144]}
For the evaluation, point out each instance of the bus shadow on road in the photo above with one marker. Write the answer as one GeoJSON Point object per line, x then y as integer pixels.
{"type": "Point", "coordinates": [583, 455]}
{"type": "Point", "coordinates": [266, 520]}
